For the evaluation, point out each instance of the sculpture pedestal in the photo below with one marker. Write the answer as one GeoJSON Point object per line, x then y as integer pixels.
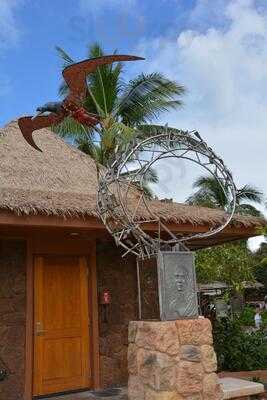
{"type": "Point", "coordinates": [172, 360]}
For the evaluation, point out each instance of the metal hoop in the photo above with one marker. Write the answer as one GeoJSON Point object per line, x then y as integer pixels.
{"type": "Point", "coordinates": [122, 204]}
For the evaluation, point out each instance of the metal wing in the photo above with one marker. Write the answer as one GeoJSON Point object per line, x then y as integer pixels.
{"type": "Point", "coordinates": [28, 125]}
{"type": "Point", "coordinates": [75, 75]}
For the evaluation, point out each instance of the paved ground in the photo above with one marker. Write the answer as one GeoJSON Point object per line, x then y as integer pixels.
{"type": "Point", "coordinates": [121, 394]}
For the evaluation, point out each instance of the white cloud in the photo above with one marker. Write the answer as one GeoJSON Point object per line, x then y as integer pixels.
{"type": "Point", "coordinates": [225, 71]}
{"type": "Point", "coordinates": [98, 5]}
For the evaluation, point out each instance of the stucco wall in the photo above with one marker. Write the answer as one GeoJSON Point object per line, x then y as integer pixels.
{"type": "Point", "coordinates": [119, 276]}
{"type": "Point", "coordinates": [12, 317]}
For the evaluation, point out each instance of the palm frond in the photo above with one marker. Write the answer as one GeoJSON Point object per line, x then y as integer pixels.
{"type": "Point", "coordinates": [147, 96]}
{"type": "Point", "coordinates": [122, 134]}
{"type": "Point", "coordinates": [64, 56]}
{"type": "Point", "coordinates": [248, 209]}
{"type": "Point", "coordinates": [124, 108]}
{"type": "Point", "coordinates": [105, 83]}
{"type": "Point", "coordinates": [95, 50]}
{"type": "Point", "coordinates": [70, 128]}
{"type": "Point", "coordinates": [148, 192]}
{"type": "Point", "coordinates": [150, 175]}
{"type": "Point", "coordinates": [202, 199]}
{"type": "Point", "coordinates": [87, 146]}
{"type": "Point", "coordinates": [211, 194]}
{"type": "Point", "coordinates": [145, 131]}
{"type": "Point", "coordinates": [67, 60]}
{"type": "Point", "coordinates": [251, 193]}
{"type": "Point", "coordinates": [211, 188]}
{"type": "Point", "coordinates": [63, 89]}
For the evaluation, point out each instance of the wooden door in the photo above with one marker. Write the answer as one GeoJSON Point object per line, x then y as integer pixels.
{"type": "Point", "coordinates": [61, 320]}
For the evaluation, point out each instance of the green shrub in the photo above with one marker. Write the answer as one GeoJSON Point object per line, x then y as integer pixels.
{"type": "Point", "coordinates": [247, 317]}
{"type": "Point", "coordinates": [238, 350]}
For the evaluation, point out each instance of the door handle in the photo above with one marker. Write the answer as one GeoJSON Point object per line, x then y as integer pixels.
{"type": "Point", "coordinates": [39, 329]}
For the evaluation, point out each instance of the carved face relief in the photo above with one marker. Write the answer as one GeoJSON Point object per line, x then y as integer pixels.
{"type": "Point", "coordinates": [180, 281]}
{"type": "Point", "coordinates": [178, 285]}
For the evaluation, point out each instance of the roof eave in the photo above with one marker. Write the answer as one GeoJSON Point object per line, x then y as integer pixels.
{"type": "Point", "coordinates": [90, 223]}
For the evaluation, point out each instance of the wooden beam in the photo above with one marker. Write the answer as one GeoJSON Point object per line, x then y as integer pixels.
{"type": "Point", "coordinates": [10, 219]}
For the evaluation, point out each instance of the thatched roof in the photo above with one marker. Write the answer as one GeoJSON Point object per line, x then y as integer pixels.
{"type": "Point", "coordinates": [62, 181]}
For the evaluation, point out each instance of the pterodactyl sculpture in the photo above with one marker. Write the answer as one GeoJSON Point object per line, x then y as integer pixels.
{"type": "Point", "coordinates": [75, 76]}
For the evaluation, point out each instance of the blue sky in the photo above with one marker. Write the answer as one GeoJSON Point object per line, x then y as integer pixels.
{"type": "Point", "coordinates": [30, 68]}
{"type": "Point", "coordinates": [216, 48]}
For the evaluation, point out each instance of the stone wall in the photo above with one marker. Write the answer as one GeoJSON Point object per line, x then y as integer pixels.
{"type": "Point", "coordinates": [119, 276]}
{"type": "Point", "coordinates": [172, 360]}
{"type": "Point", "coordinates": [12, 317]}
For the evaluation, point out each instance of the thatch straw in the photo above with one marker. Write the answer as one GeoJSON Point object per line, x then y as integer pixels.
{"type": "Point", "coordinates": [62, 181]}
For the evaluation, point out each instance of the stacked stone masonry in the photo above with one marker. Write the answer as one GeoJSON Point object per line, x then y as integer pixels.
{"type": "Point", "coordinates": [12, 317]}
{"type": "Point", "coordinates": [172, 360]}
{"type": "Point", "coordinates": [118, 275]}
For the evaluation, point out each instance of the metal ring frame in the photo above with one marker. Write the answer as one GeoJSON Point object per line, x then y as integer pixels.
{"type": "Point", "coordinates": [122, 203]}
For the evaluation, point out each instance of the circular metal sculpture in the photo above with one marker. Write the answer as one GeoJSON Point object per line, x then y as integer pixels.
{"type": "Point", "coordinates": [126, 211]}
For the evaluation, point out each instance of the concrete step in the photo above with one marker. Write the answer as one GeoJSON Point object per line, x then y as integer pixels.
{"type": "Point", "coordinates": [238, 388]}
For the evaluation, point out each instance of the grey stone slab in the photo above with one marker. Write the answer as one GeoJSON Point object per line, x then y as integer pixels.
{"type": "Point", "coordinates": [233, 387]}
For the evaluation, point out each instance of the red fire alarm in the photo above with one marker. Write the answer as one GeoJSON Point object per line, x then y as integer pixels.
{"type": "Point", "coordinates": [106, 297]}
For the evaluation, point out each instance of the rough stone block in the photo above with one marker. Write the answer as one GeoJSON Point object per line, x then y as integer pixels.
{"type": "Point", "coordinates": [212, 390]}
{"type": "Point", "coordinates": [135, 388]}
{"type": "Point", "coordinates": [152, 395]}
{"type": "Point", "coordinates": [209, 359]}
{"type": "Point", "coordinates": [147, 369]}
{"type": "Point", "coordinates": [196, 396]}
{"type": "Point", "coordinates": [190, 353]}
{"type": "Point", "coordinates": [189, 377]}
{"type": "Point", "coordinates": [132, 359]}
{"type": "Point", "coordinates": [132, 330]}
{"type": "Point", "coordinates": [173, 360]}
{"type": "Point", "coordinates": [158, 336]}
{"type": "Point", "coordinates": [195, 332]}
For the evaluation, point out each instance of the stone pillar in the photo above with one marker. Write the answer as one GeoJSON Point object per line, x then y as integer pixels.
{"type": "Point", "coordinates": [172, 360]}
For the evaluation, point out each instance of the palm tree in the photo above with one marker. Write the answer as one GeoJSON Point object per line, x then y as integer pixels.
{"type": "Point", "coordinates": [127, 108]}
{"type": "Point", "coordinates": [209, 193]}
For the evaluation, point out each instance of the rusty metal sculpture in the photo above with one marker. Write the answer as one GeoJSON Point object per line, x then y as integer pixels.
{"type": "Point", "coordinates": [75, 76]}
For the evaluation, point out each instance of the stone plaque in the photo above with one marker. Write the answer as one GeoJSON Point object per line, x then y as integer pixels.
{"type": "Point", "coordinates": [177, 285]}
{"type": "Point", "coordinates": [167, 287]}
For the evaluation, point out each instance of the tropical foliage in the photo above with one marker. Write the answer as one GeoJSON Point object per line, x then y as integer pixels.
{"type": "Point", "coordinates": [127, 108]}
{"type": "Point", "coordinates": [209, 193]}
{"type": "Point", "coordinates": [260, 260]}
{"type": "Point", "coordinates": [238, 350]}
{"type": "Point", "coordinates": [230, 263]}
{"type": "Point", "coordinates": [246, 318]}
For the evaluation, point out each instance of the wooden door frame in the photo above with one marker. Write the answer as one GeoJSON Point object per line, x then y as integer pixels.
{"type": "Point", "coordinates": [52, 247]}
